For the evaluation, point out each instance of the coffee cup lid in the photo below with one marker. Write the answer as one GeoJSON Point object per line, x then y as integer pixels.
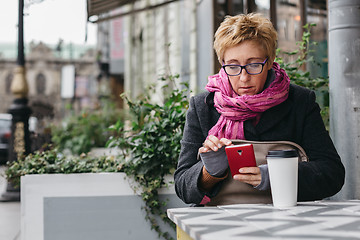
{"type": "Point", "coordinates": [282, 153]}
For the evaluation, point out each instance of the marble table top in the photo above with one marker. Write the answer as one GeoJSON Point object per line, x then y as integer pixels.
{"type": "Point", "coordinates": [308, 220]}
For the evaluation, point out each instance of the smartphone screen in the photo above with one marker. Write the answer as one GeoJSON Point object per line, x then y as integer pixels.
{"type": "Point", "coordinates": [240, 156]}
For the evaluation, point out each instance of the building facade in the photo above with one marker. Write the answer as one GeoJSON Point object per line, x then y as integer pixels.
{"type": "Point", "coordinates": [161, 37]}
{"type": "Point", "coordinates": [44, 77]}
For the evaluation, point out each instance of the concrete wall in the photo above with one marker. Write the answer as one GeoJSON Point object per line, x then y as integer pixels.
{"type": "Point", "coordinates": [88, 206]}
{"type": "Point", "coordinates": [159, 42]}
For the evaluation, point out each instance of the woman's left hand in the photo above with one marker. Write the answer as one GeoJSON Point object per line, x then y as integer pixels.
{"type": "Point", "coordinates": [250, 175]}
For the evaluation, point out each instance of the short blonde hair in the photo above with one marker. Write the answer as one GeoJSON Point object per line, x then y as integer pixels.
{"type": "Point", "coordinates": [237, 29]}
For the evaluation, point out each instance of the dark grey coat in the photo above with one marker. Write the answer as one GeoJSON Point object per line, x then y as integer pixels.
{"type": "Point", "coordinates": [297, 119]}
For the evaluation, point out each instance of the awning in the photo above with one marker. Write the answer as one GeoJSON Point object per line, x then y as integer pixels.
{"type": "Point", "coordinates": [98, 7]}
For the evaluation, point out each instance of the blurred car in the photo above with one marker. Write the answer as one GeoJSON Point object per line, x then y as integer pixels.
{"type": "Point", "coordinates": [5, 134]}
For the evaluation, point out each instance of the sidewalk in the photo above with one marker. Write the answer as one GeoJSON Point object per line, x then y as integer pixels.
{"type": "Point", "coordinates": [9, 214]}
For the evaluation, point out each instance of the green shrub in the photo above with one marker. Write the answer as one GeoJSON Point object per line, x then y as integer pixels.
{"type": "Point", "coordinates": [80, 133]}
{"type": "Point", "coordinates": [301, 77]}
{"type": "Point", "coordinates": [52, 161]}
{"type": "Point", "coordinates": [152, 145]}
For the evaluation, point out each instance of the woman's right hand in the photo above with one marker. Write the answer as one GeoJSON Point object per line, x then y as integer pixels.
{"type": "Point", "coordinates": [213, 155]}
{"type": "Point", "coordinates": [213, 143]}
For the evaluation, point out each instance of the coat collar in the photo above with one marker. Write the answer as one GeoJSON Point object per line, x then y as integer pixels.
{"type": "Point", "coordinates": [271, 117]}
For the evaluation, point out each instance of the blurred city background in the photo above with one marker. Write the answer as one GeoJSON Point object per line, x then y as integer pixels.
{"type": "Point", "coordinates": [79, 53]}
{"type": "Point", "coordinates": [127, 45]}
{"type": "Point", "coordinates": [88, 62]}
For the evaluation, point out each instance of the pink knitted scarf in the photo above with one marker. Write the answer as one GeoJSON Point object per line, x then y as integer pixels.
{"type": "Point", "coordinates": [235, 109]}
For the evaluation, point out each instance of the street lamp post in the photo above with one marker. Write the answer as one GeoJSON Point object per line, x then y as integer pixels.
{"type": "Point", "coordinates": [20, 136]}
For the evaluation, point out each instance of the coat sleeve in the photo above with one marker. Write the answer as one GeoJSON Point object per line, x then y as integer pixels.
{"type": "Point", "coordinates": [323, 176]}
{"type": "Point", "coordinates": [189, 166]}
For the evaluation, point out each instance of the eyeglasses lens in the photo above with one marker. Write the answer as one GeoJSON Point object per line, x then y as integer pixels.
{"type": "Point", "coordinates": [253, 68]}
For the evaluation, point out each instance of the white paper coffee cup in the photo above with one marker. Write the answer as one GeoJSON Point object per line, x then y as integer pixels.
{"type": "Point", "coordinates": [283, 172]}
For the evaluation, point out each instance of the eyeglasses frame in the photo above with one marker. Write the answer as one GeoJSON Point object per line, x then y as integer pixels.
{"type": "Point", "coordinates": [244, 67]}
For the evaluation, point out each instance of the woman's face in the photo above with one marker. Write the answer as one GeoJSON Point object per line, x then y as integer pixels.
{"type": "Point", "coordinates": [242, 54]}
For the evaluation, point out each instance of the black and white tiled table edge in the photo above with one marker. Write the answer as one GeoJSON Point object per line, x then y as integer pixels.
{"type": "Point", "coordinates": [308, 220]}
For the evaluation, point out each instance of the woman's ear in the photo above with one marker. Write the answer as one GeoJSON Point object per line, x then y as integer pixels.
{"type": "Point", "coordinates": [270, 65]}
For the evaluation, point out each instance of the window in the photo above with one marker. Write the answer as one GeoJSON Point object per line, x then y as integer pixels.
{"type": "Point", "coordinates": [317, 13]}
{"type": "Point", "coordinates": [40, 83]}
{"type": "Point", "coordinates": [263, 6]}
{"type": "Point", "coordinates": [288, 25]}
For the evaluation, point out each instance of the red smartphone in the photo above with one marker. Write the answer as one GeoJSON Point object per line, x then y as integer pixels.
{"type": "Point", "coordinates": [240, 156]}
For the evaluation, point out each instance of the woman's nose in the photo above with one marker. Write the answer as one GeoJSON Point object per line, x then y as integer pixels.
{"type": "Point", "coordinates": [244, 76]}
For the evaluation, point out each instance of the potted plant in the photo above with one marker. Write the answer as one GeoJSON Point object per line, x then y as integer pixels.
{"type": "Point", "coordinates": [69, 196]}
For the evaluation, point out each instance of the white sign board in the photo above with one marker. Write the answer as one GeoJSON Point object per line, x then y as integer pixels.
{"type": "Point", "coordinates": [68, 81]}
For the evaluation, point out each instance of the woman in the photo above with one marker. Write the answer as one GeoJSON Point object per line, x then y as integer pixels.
{"type": "Point", "coordinates": [251, 98]}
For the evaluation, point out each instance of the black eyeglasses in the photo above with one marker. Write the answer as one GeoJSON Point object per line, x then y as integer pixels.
{"type": "Point", "coordinates": [251, 68]}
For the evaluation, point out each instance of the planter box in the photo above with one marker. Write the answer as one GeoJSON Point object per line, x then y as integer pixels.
{"type": "Point", "coordinates": [87, 206]}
